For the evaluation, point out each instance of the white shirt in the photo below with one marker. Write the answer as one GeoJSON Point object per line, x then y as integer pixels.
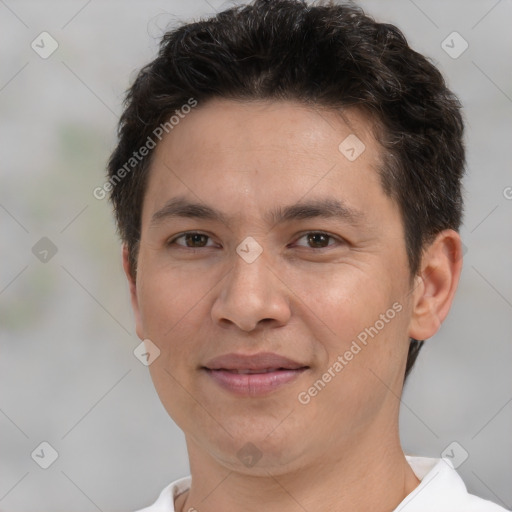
{"type": "Point", "coordinates": [441, 490]}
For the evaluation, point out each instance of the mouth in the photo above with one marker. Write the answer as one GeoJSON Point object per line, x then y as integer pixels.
{"type": "Point", "coordinates": [251, 372]}
{"type": "Point", "coordinates": [253, 375]}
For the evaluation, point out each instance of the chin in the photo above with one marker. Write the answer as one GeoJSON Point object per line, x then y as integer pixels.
{"type": "Point", "coordinates": [255, 446]}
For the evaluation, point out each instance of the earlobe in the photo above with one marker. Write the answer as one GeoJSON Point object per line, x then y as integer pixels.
{"type": "Point", "coordinates": [435, 284]}
{"type": "Point", "coordinates": [132, 283]}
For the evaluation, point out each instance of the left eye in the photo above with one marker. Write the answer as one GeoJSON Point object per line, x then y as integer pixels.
{"type": "Point", "coordinates": [318, 239]}
{"type": "Point", "coordinates": [192, 240]}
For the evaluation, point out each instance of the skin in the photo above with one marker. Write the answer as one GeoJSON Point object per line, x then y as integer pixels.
{"type": "Point", "coordinates": [306, 299]}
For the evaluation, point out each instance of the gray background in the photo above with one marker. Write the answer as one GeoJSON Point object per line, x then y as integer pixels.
{"type": "Point", "coordinates": [67, 369]}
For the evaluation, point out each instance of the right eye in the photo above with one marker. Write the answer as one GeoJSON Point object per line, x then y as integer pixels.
{"type": "Point", "coordinates": [192, 240]}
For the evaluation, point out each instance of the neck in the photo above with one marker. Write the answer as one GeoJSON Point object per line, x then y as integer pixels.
{"type": "Point", "coordinates": [359, 477]}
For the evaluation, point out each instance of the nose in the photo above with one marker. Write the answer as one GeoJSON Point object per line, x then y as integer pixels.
{"type": "Point", "coordinates": [251, 295]}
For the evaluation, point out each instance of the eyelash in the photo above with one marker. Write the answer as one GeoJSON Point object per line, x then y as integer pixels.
{"type": "Point", "coordinates": [182, 235]}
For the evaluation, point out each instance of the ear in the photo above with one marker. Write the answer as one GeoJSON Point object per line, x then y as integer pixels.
{"type": "Point", "coordinates": [132, 283]}
{"type": "Point", "coordinates": [435, 284]}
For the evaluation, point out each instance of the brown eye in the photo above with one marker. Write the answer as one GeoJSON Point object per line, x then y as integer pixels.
{"type": "Point", "coordinates": [196, 240]}
{"type": "Point", "coordinates": [192, 240]}
{"type": "Point", "coordinates": [318, 240]}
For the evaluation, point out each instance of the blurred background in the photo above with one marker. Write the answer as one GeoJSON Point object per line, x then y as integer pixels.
{"type": "Point", "coordinates": [68, 374]}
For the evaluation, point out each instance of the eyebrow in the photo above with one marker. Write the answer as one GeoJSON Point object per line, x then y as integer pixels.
{"type": "Point", "coordinates": [180, 207]}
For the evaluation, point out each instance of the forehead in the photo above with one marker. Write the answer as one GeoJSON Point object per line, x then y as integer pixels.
{"type": "Point", "coordinates": [260, 153]}
{"type": "Point", "coordinates": [229, 127]}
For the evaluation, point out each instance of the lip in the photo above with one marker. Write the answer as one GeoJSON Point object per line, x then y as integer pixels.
{"type": "Point", "coordinates": [253, 375]}
{"type": "Point", "coordinates": [260, 361]}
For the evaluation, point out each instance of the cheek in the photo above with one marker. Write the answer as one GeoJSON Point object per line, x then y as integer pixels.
{"type": "Point", "coordinates": [357, 316]}
{"type": "Point", "coordinates": [359, 323]}
{"type": "Point", "coordinates": [173, 308]}
{"type": "Point", "coordinates": [345, 299]}
{"type": "Point", "coordinates": [169, 296]}
{"type": "Point", "coordinates": [175, 305]}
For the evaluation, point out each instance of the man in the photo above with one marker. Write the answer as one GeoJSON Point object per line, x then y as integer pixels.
{"type": "Point", "coordinates": [287, 189]}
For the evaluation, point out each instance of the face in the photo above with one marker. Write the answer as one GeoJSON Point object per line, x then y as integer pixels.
{"type": "Point", "coordinates": [292, 249]}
